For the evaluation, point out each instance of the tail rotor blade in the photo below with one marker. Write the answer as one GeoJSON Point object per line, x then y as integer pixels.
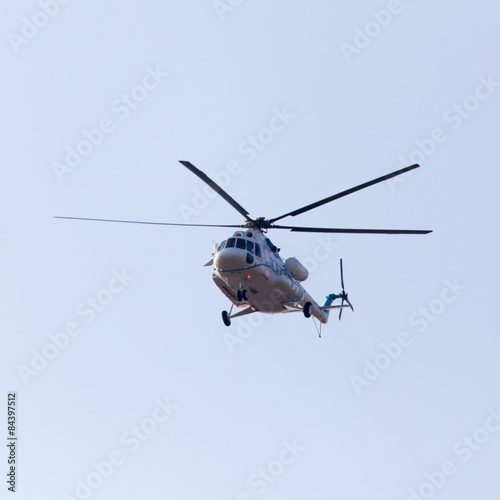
{"type": "Point", "coordinates": [343, 295]}
{"type": "Point", "coordinates": [341, 275]}
{"type": "Point", "coordinates": [350, 305]}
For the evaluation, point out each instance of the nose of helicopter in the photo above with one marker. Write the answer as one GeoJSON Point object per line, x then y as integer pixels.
{"type": "Point", "coordinates": [230, 259]}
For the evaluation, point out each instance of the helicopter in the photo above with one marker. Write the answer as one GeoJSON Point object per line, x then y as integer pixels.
{"type": "Point", "coordinates": [249, 270]}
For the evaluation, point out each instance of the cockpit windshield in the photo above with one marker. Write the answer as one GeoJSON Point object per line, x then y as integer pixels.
{"type": "Point", "coordinates": [244, 244]}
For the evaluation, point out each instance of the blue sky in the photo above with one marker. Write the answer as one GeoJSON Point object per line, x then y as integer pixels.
{"type": "Point", "coordinates": [128, 383]}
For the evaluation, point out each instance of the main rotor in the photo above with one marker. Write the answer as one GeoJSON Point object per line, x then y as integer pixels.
{"type": "Point", "coordinates": [263, 224]}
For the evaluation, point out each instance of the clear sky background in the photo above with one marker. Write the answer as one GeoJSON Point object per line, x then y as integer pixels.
{"type": "Point", "coordinates": [148, 394]}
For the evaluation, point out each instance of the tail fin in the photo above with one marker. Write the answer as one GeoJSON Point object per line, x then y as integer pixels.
{"type": "Point", "coordinates": [329, 300]}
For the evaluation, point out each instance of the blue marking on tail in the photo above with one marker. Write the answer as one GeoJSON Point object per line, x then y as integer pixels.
{"type": "Point", "coordinates": [329, 300]}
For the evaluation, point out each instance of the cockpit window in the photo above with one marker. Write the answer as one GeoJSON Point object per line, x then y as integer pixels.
{"type": "Point", "coordinates": [271, 245]}
{"type": "Point", "coordinates": [257, 250]}
{"type": "Point", "coordinates": [230, 242]}
{"type": "Point", "coordinates": [240, 244]}
{"type": "Point", "coordinates": [222, 245]}
{"type": "Point", "coordinates": [250, 246]}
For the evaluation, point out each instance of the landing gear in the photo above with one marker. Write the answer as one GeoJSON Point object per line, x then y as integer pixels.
{"type": "Point", "coordinates": [307, 310]}
{"type": "Point", "coordinates": [225, 318]}
{"type": "Point", "coordinates": [242, 295]}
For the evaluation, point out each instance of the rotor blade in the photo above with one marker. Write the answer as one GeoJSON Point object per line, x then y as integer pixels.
{"type": "Point", "coordinates": [341, 275]}
{"type": "Point", "coordinates": [345, 193]}
{"type": "Point", "coordinates": [144, 222]}
{"type": "Point", "coordinates": [352, 231]}
{"type": "Point", "coordinates": [215, 187]}
{"type": "Point", "coordinates": [349, 305]}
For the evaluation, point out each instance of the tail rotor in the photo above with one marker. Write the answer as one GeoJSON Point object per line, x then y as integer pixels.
{"type": "Point", "coordinates": [343, 295]}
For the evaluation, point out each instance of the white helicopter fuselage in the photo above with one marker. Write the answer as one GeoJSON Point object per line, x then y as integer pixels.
{"type": "Point", "coordinates": [251, 274]}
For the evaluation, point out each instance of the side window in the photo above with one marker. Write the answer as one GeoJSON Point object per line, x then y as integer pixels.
{"type": "Point", "coordinates": [250, 246]}
{"type": "Point", "coordinates": [230, 242]}
{"type": "Point", "coordinates": [257, 250]}
{"type": "Point", "coordinates": [222, 245]}
{"type": "Point", "coordinates": [241, 244]}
